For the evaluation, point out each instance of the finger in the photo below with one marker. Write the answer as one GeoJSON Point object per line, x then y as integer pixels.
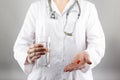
{"type": "Point", "coordinates": [74, 66]}
{"type": "Point", "coordinates": [70, 67]}
{"type": "Point", "coordinates": [33, 50]}
{"type": "Point", "coordinates": [73, 69]}
{"type": "Point", "coordinates": [35, 58]}
{"type": "Point", "coordinates": [87, 59]}
{"type": "Point", "coordinates": [31, 55]}
{"type": "Point", "coordinates": [40, 53]}
{"type": "Point", "coordinates": [36, 45]}
{"type": "Point", "coordinates": [37, 54]}
{"type": "Point", "coordinates": [66, 68]}
{"type": "Point", "coordinates": [29, 60]}
{"type": "Point", "coordinates": [44, 49]}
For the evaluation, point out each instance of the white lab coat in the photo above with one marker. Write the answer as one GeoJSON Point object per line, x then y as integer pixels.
{"type": "Point", "coordinates": [88, 36]}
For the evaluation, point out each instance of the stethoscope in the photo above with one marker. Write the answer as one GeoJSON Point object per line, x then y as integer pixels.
{"type": "Point", "coordinates": [54, 16]}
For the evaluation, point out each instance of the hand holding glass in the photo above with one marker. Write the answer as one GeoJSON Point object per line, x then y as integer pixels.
{"type": "Point", "coordinates": [45, 41]}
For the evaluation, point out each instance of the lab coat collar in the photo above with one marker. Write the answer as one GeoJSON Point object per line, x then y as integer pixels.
{"type": "Point", "coordinates": [54, 7]}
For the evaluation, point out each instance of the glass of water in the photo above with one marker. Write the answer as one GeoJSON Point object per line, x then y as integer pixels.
{"type": "Point", "coordinates": [44, 59]}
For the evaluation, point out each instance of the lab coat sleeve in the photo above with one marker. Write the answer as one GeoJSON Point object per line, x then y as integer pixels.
{"type": "Point", "coordinates": [25, 39]}
{"type": "Point", "coordinates": [95, 38]}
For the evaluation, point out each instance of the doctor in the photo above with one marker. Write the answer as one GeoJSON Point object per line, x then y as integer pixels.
{"type": "Point", "coordinates": [77, 40]}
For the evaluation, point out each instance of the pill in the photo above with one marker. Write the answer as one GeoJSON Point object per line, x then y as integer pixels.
{"type": "Point", "coordinates": [78, 62]}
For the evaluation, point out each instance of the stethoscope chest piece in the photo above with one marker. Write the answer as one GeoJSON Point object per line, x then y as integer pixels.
{"type": "Point", "coordinates": [53, 15]}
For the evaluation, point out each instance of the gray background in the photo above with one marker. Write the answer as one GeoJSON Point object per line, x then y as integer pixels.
{"type": "Point", "coordinates": [12, 13]}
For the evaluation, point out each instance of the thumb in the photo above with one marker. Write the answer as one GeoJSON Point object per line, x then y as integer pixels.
{"type": "Point", "coordinates": [87, 59]}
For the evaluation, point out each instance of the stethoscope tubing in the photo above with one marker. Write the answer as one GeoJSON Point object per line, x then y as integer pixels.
{"type": "Point", "coordinates": [53, 16]}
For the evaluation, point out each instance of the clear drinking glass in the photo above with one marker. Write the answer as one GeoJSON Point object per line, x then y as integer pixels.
{"type": "Point", "coordinates": [45, 59]}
